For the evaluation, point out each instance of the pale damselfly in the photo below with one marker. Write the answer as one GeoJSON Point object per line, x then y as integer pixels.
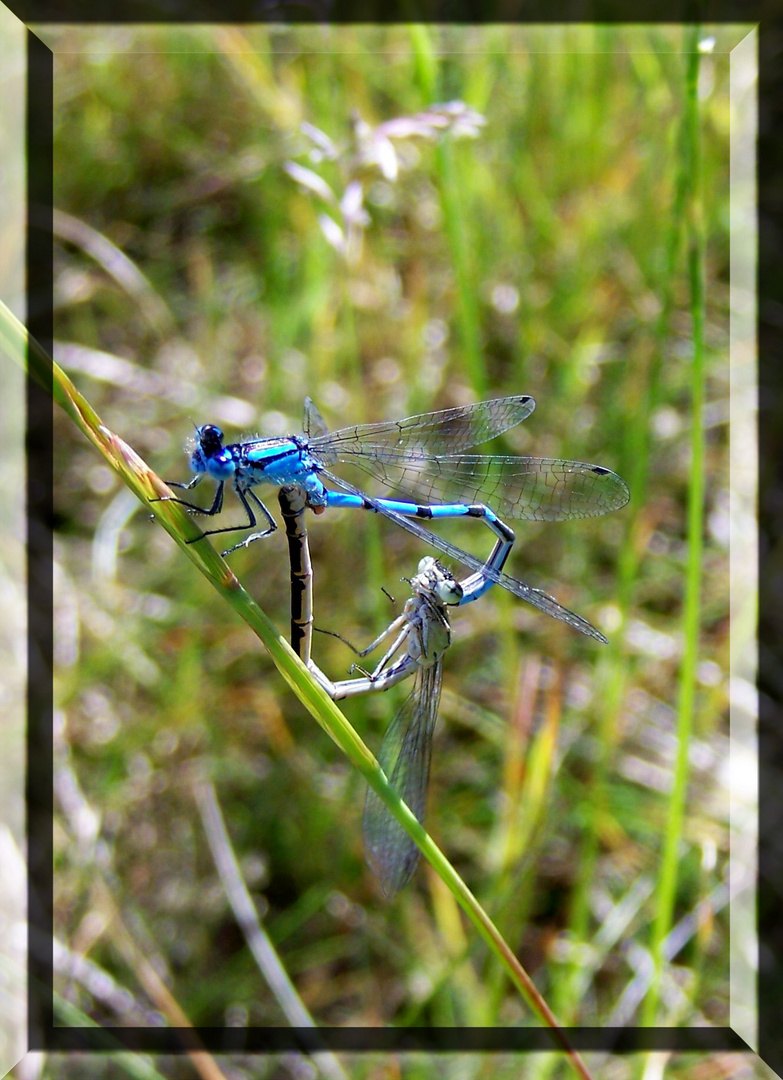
{"type": "Point", "coordinates": [423, 633]}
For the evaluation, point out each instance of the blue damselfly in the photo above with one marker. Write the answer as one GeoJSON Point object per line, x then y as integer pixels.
{"type": "Point", "coordinates": [425, 454]}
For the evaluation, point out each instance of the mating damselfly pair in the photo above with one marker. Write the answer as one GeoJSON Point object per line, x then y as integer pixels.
{"type": "Point", "coordinates": [423, 457]}
{"type": "Point", "coordinates": [421, 634]}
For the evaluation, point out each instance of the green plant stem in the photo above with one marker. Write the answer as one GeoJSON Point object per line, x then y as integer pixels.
{"type": "Point", "coordinates": [130, 1062]}
{"type": "Point", "coordinates": [612, 674]}
{"type": "Point", "coordinates": [455, 220]}
{"type": "Point", "coordinates": [455, 223]}
{"type": "Point", "coordinates": [425, 61]}
{"type": "Point", "coordinates": [667, 880]}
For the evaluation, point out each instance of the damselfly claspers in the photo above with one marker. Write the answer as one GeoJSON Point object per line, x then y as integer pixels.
{"type": "Point", "coordinates": [425, 454]}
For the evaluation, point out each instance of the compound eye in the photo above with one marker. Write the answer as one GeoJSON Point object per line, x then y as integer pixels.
{"type": "Point", "coordinates": [210, 439]}
{"type": "Point", "coordinates": [450, 591]}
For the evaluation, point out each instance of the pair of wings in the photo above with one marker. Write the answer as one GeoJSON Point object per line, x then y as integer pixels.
{"type": "Point", "coordinates": [425, 456]}
{"type": "Point", "coordinates": [405, 756]}
{"type": "Point", "coordinates": [535, 488]}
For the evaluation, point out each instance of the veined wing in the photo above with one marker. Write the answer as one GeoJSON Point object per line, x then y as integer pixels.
{"type": "Point", "coordinates": [313, 424]}
{"type": "Point", "coordinates": [536, 597]}
{"type": "Point", "coordinates": [533, 489]}
{"type": "Point", "coordinates": [448, 431]}
{"type": "Point", "coordinates": [405, 756]}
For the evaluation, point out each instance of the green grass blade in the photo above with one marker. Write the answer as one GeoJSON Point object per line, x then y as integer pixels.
{"type": "Point", "coordinates": [182, 528]}
{"type": "Point", "coordinates": [125, 1062]}
{"type": "Point", "coordinates": [672, 852]}
{"type": "Point", "coordinates": [456, 221]}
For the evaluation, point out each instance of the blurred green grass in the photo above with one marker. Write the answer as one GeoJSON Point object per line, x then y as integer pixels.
{"type": "Point", "coordinates": [171, 146]}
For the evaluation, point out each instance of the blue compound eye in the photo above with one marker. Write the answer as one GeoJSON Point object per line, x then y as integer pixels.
{"type": "Point", "coordinates": [221, 465]}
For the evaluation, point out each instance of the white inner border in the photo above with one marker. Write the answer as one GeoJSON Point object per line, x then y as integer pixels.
{"type": "Point", "coordinates": [13, 582]}
{"type": "Point", "coordinates": [743, 541]}
{"type": "Point", "coordinates": [743, 496]}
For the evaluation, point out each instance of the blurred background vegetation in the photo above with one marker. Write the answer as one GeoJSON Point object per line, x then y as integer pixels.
{"type": "Point", "coordinates": [195, 283]}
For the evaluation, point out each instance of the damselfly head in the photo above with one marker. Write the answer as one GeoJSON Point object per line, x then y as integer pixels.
{"type": "Point", "coordinates": [206, 445]}
{"type": "Point", "coordinates": [434, 578]}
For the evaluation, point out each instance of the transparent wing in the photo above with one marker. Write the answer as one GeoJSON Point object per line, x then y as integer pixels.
{"type": "Point", "coordinates": [405, 756]}
{"type": "Point", "coordinates": [313, 424]}
{"type": "Point", "coordinates": [448, 431]}
{"type": "Point", "coordinates": [533, 489]}
{"type": "Point", "coordinates": [536, 597]}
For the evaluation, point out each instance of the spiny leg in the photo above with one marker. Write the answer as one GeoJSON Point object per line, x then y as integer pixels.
{"type": "Point", "coordinates": [217, 506]}
{"type": "Point", "coordinates": [251, 522]}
